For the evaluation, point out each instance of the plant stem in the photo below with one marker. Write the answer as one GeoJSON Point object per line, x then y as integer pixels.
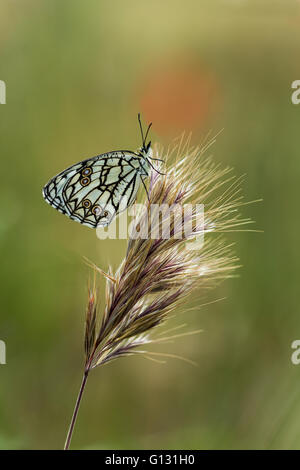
{"type": "Point", "coordinates": [76, 409]}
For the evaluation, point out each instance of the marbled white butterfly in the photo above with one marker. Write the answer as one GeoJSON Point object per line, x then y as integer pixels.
{"type": "Point", "coordinates": [95, 190]}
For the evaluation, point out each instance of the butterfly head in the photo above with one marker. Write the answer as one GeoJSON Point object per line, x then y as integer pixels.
{"type": "Point", "coordinates": [146, 151]}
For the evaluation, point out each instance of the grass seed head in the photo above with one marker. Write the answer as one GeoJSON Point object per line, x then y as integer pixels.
{"type": "Point", "coordinates": [157, 275]}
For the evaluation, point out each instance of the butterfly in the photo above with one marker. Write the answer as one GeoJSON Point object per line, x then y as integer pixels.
{"type": "Point", "coordinates": [96, 190]}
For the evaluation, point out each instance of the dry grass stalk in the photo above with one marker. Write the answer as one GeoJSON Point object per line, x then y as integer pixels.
{"type": "Point", "coordinates": [157, 275]}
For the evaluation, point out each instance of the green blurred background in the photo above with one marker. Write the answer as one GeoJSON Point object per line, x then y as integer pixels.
{"type": "Point", "coordinates": [77, 73]}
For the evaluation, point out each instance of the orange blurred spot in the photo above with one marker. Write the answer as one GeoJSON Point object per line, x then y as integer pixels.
{"type": "Point", "coordinates": [178, 97]}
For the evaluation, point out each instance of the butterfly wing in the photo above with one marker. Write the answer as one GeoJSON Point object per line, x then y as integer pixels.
{"type": "Point", "coordinates": [94, 191]}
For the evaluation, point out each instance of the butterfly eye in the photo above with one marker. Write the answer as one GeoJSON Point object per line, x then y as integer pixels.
{"type": "Point", "coordinates": [96, 210]}
{"type": "Point", "coordinates": [86, 203]}
{"type": "Point", "coordinates": [85, 181]}
{"type": "Point", "coordinates": [87, 171]}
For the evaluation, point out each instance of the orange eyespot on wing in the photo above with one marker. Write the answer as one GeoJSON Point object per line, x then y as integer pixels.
{"type": "Point", "coordinates": [96, 210]}
{"type": "Point", "coordinates": [85, 181]}
{"type": "Point", "coordinates": [86, 172]}
{"type": "Point", "coordinates": [86, 203]}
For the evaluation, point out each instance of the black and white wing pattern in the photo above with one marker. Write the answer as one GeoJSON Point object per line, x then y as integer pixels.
{"type": "Point", "coordinates": [95, 190]}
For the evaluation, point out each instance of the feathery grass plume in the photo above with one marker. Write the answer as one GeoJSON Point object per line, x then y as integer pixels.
{"type": "Point", "coordinates": [159, 273]}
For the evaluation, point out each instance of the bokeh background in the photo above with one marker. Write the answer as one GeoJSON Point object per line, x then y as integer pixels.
{"type": "Point", "coordinates": [77, 73]}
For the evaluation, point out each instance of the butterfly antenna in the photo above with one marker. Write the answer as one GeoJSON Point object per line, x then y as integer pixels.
{"type": "Point", "coordinates": [141, 128]}
{"type": "Point", "coordinates": [144, 138]}
{"type": "Point", "coordinates": [149, 127]}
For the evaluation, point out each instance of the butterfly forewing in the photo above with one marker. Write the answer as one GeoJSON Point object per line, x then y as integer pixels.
{"type": "Point", "coordinates": [94, 191]}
